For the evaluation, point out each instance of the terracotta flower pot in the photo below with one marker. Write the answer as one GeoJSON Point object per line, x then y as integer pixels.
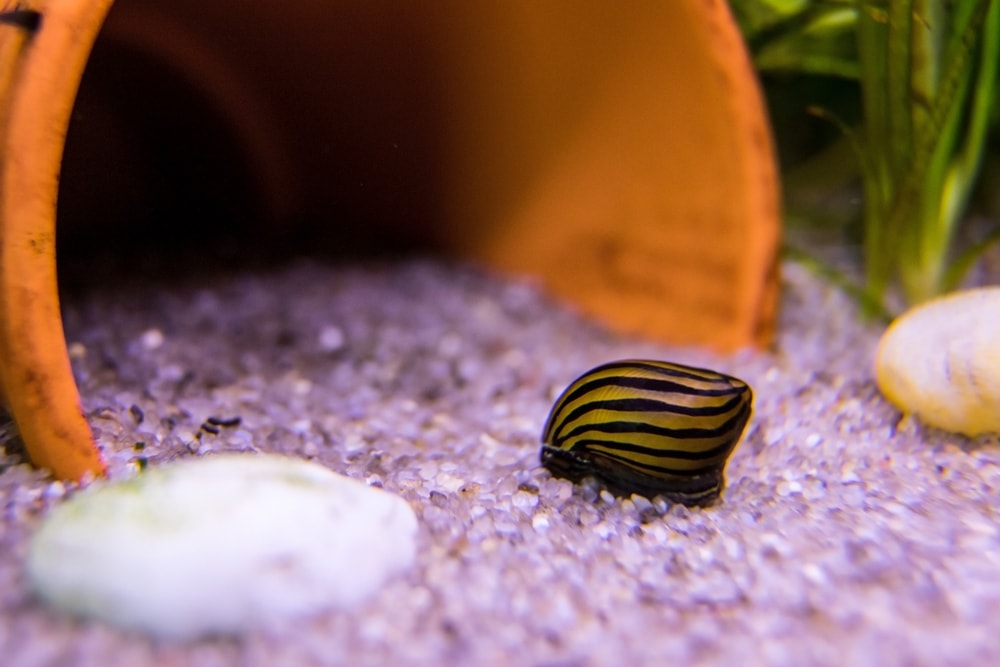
{"type": "Point", "coordinates": [621, 155]}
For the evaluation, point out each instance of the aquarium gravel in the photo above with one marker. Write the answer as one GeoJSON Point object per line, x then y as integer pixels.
{"type": "Point", "coordinates": [846, 536]}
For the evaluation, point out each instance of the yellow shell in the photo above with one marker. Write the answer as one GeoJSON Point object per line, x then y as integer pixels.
{"type": "Point", "coordinates": [941, 362]}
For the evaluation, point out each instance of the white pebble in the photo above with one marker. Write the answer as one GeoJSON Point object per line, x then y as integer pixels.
{"type": "Point", "coordinates": [814, 573]}
{"type": "Point", "coordinates": [220, 545]}
{"type": "Point", "coordinates": [848, 474]}
{"type": "Point", "coordinates": [450, 345]}
{"type": "Point", "coordinates": [353, 443]}
{"type": "Point", "coordinates": [54, 491]}
{"type": "Point", "coordinates": [300, 426]}
{"type": "Point", "coordinates": [788, 488]}
{"type": "Point", "coordinates": [939, 362]}
{"type": "Point", "coordinates": [151, 339]}
{"type": "Point", "coordinates": [641, 503]}
{"type": "Point", "coordinates": [170, 373]}
{"type": "Point", "coordinates": [524, 500]}
{"type": "Point", "coordinates": [331, 338]}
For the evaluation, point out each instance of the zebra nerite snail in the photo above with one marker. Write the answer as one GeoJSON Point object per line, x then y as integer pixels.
{"type": "Point", "coordinates": [648, 427]}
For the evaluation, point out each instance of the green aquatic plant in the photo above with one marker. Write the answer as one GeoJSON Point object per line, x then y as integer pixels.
{"type": "Point", "coordinates": [925, 75]}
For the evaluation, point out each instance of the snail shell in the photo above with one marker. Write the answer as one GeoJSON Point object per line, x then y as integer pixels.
{"type": "Point", "coordinates": [940, 361]}
{"type": "Point", "coordinates": [648, 427]}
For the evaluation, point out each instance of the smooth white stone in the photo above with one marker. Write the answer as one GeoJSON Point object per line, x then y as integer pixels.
{"type": "Point", "coordinates": [220, 545]}
{"type": "Point", "coordinates": [331, 338]}
{"type": "Point", "coordinates": [941, 362]}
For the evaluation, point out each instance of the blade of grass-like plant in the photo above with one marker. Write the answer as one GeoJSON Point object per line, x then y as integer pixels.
{"type": "Point", "coordinates": [758, 16]}
{"type": "Point", "coordinates": [969, 156]}
{"type": "Point", "coordinates": [871, 37]}
{"type": "Point", "coordinates": [928, 29]}
{"type": "Point", "coordinates": [898, 69]}
{"type": "Point", "coordinates": [927, 237]}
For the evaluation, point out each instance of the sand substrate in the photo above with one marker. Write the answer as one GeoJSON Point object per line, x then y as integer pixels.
{"type": "Point", "coordinates": [845, 537]}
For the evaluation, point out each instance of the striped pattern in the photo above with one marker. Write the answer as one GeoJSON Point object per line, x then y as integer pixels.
{"type": "Point", "coordinates": [648, 427]}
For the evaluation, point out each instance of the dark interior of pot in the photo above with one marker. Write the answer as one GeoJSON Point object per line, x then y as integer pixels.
{"type": "Point", "coordinates": [235, 138]}
{"type": "Point", "coordinates": [144, 146]}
